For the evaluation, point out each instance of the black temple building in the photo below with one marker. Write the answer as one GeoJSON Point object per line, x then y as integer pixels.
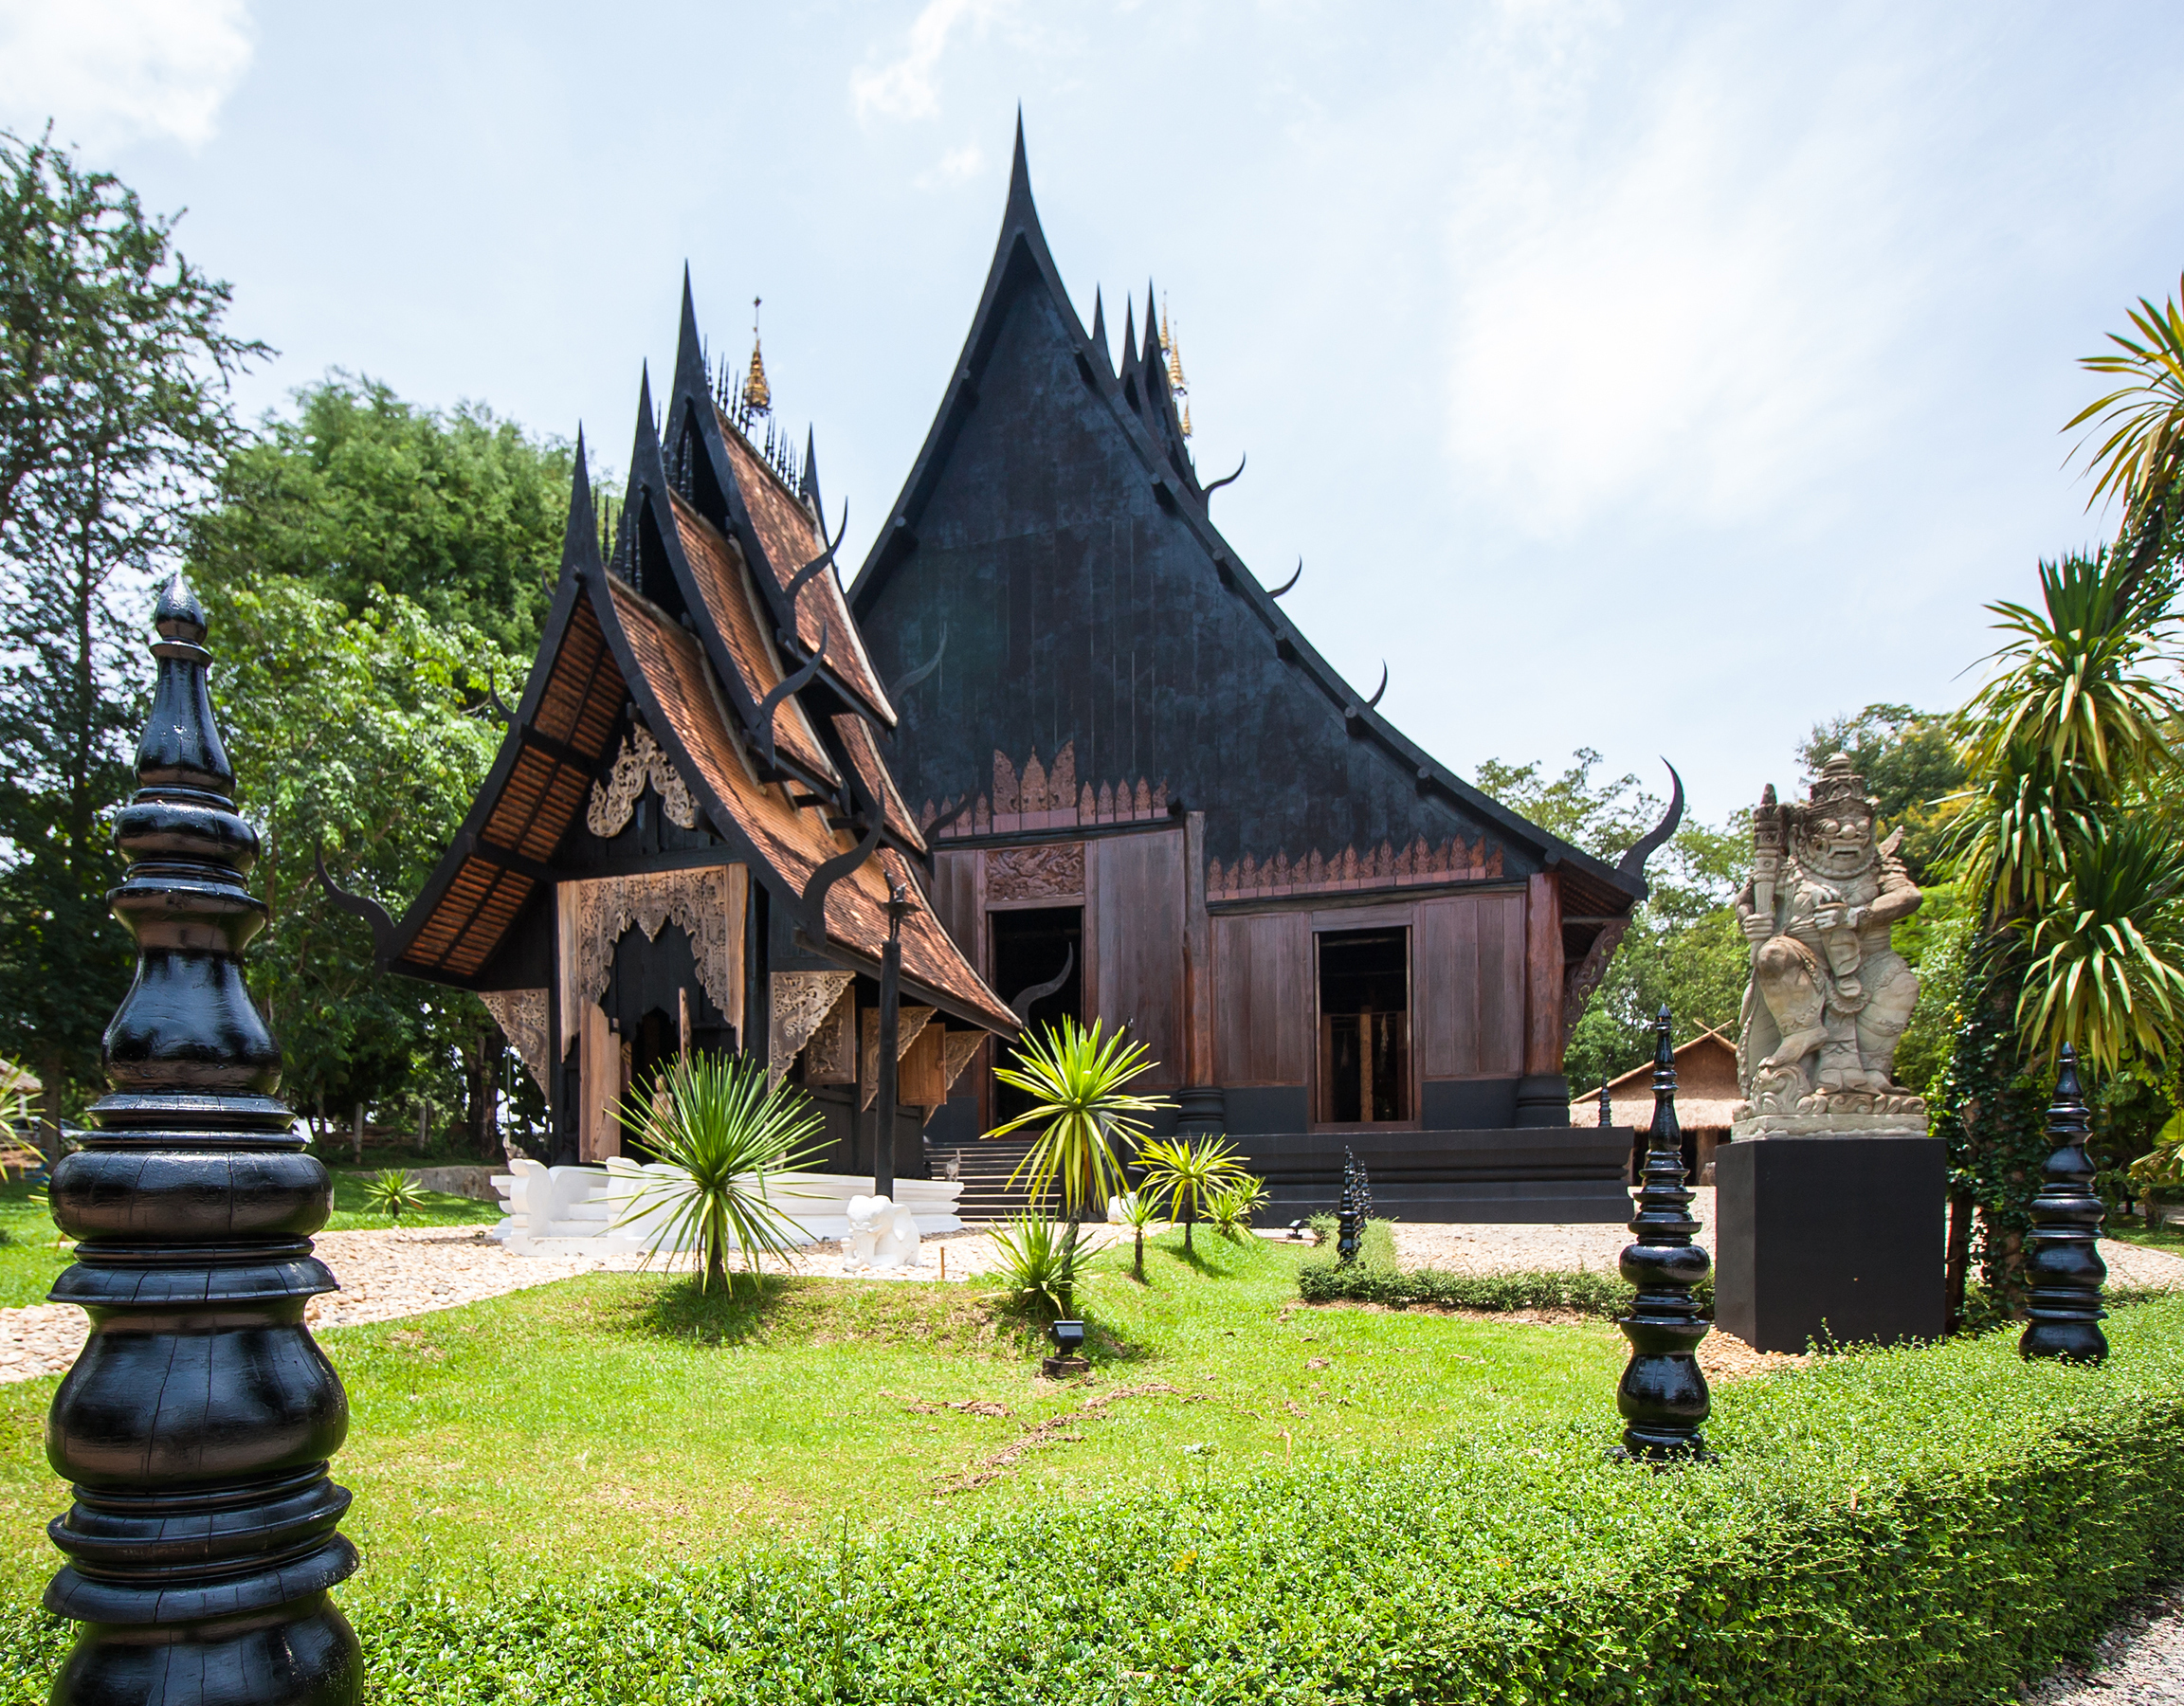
{"type": "Point", "coordinates": [1143, 785]}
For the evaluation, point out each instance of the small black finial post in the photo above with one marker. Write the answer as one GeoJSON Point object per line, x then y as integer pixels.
{"type": "Point", "coordinates": [1346, 1215]}
{"type": "Point", "coordinates": [2065, 1264]}
{"type": "Point", "coordinates": [1364, 1198]}
{"type": "Point", "coordinates": [1607, 1116]}
{"type": "Point", "coordinates": [197, 1424]}
{"type": "Point", "coordinates": [1662, 1394]}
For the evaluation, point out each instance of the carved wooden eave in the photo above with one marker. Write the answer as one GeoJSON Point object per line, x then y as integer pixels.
{"type": "Point", "coordinates": [802, 1002]}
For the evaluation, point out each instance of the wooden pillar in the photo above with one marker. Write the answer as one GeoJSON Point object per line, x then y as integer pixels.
{"type": "Point", "coordinates": [1543, 974]}
{"type": "Point", "coordinates": [1197, 956]}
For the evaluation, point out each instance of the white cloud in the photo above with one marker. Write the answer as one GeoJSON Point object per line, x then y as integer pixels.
{"type": "Point", "coordinates": [957, 166]}
{"type": "Point", "coordinates": [109, 72]}
{"type": "Point", "coordinates": [1688, 307]}
{"type": "Point", "coordinates": [903, 88]}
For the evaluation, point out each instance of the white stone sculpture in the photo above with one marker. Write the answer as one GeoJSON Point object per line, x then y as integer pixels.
{"type": "Point", "coordinates": [585, 1210]}
{"type": "Point", "coordinates": [883, 1236]}
{"type": "Point", "coordinates": [1829, 996]}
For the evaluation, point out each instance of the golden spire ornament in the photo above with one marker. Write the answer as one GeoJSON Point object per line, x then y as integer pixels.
{"type": "Point", "coordinates": [757, 397]}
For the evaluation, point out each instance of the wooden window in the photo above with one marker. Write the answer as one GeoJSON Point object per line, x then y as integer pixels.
{"type": "Point", "coordinates": [1263, 998]}
{"type": "Point", "coordinates": [1364, 1011]}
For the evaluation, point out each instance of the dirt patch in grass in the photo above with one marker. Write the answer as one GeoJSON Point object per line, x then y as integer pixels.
{"type": "Point", "coordinates": [1723, 1356]}
{"type": "Point", "coordinates": [1055, 1430]}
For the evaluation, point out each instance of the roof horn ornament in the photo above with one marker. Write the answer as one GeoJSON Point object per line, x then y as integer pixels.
{"type": "Point", "coordinates": [1381, 689]}
{"type": "Point", "coordinates": [798, 581]}
{"type": "Point", "coordinates": [1277, 591]}
{"type": "Point", "coordinates": [1206, 492]}
{"type": "Point", "coordinates": [782, 689]}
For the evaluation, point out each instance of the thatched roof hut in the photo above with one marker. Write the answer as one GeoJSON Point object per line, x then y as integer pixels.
{"type": "Point", "coordinates": [1706, 1089]}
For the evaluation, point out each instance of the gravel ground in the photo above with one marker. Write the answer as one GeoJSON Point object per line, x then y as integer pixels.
{"type": "Point", "coordinates": [385, 1276]}
{"type": "Point", "coordinates": [2139, 1662]}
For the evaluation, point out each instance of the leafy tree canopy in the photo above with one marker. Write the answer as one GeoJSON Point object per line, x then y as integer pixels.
{"type": "Point", "coordinates": [460, 513]}
{"type": "Point", "coordinates": [1682, 949]}
{"type": "Point", "coordinates": [1911, 768]}
{"type": "Point", "coordinates": [114, 370]}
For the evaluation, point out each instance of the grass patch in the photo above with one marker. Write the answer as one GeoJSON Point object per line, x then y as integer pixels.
{"type": "Point", "coordinates": [439, 1209]}
{"type": "Point", "coordinates": [695, 1427]}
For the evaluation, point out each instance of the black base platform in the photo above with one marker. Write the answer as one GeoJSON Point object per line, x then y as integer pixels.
{"type": "Point", "coordinates": [1527, 1174]}
{"type": "Point", "coordinates": [1830, 1240]}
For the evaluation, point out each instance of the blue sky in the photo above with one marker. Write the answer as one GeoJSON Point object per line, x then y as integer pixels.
{"type": "Point", "coordinates": [1657, 379]}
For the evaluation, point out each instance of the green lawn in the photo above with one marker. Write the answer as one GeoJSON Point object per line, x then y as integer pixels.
{"type": "Point", "coordinates": [30, 1256]}
{"type": "Point", "coordinates": [619, 1421]}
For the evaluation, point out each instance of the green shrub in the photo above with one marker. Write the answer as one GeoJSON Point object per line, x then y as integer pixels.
{"type": "Point", "coordinates": [1926, 1526]}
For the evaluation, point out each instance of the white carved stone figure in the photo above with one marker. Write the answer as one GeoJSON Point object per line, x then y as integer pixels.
{"type": "Point", "coordinates": [883, 1236]}
{"type": "Point", "coordinates": [1828, 997]}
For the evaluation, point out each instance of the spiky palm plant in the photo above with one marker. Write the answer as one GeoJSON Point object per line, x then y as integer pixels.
{"type": "Point", "coordinates": [1040, 1261]}
{"type": "Point", "coordinates": [1188, 1174]}
{"type": "Point", "coordinates": [1140, 1213]}
{"type": "Point", "coordinates": [393, 1192]}
{"type": "Point", "coordinates": [1077, 1083]}
{"type": "Point", "coordinates": [1232, 1206]}
{"type": "Point", "coordinates": [2143, 454]}
{"type": "Point", "coordinates": [714, 1120]}
{"type": "Point", "coordinates": [2108, 953]}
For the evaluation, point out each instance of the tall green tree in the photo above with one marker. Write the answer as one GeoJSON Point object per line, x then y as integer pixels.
{"type": "Point", "coordinates": [1911, 767]}
{"type": "Point", "coordinates": [1683, 948]}
{"type": "Point", "coordinates": [377, 570]}
{"type": "Point", "coordinates": [2065, 747]}
{"type": "Point", "coordinates": [115, 367]}
{"type": "Point", "coordinates": [460, 512]}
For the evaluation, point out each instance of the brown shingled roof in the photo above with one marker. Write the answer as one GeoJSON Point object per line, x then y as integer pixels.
{"type": "Point", "coordinates": [786, 535]}
{"type": "Point", "coordinates": [718, 568]}
{"type": "Point", "coordinates": [794, 843]}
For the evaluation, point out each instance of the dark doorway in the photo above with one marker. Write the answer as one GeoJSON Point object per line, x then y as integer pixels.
{"type": "Point", "coordinates": [1364, 1027]}
{"type": "Point", "coordinates": [1030, 948]}
{"type": "Point", "coordinates": [655, 1041]}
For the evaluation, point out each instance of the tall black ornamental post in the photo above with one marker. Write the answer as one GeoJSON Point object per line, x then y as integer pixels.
{"type": "Point", "coordinates": [1662, 1394]}
{"type": "Point", "coordinates": [2065, 1265]}
{"type": "Point", "coordinates": [197, 1424]}
{"type": "Point", "coordinates": [899, 905]}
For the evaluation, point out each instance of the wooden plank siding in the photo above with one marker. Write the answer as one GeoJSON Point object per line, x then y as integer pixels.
{"type": "Point", "coordinates": [1468, 959]}
{"type": "Point", "coordinates": [1135, 906]}
{"type": "Point", "coordinates": [1263, 998]}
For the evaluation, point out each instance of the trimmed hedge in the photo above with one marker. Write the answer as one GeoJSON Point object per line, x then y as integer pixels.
{"type": "Point", "coordinates": [1590, 1293]}
{"type": "Point", "coordinates": [1924, 1526]}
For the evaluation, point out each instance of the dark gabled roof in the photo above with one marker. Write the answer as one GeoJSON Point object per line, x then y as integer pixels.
{"type": "Point", "coordinates": [669, 634]}
{"type": "Point", "coordinates": [1138, 402]}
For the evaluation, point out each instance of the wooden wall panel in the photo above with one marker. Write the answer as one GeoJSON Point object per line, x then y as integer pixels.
{"type": "Point", "coordinates": [955, 899]}
{"type": "Point", "coordinates": [1263, 998]}
{"type": "Point", "coordinates": [1134, 918]}
{"type": "Point", "coordinates": [1467, 969]}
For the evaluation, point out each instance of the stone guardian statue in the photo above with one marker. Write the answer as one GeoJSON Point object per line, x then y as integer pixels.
{"type": "Point", "coordinates": [1829, 996]}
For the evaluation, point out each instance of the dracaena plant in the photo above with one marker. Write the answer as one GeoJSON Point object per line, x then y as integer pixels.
{"type": "Point", "coordinates": [721, 1129]}
{"type": "Point", "coordinates": [1082, 1106]}
{"type": "Point", "coordinates": [1190, 1174]}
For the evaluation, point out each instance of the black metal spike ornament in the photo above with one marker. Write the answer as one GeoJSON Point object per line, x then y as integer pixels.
{"type": "Point", "coordinates": [1346, 1216]}
{"type": "Point", "coordinates": [197, 1424]}
{"type": "Point", "coordinates": [2065, 1265]}
{"type": "Point", "coordinates": [1662, 1394]}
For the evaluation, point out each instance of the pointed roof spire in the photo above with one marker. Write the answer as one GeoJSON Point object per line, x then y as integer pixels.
{"type": "Point", "coordinates": [580, 539]}
{"type": "Point", "coordinates": [807, 488]}
{"type": "Point", "coordinates": [1020, 167]}
{"type": "Point", "coordinates": [1129, 337]}
{"type": "Point", "coordinates": [757, 395]}
{"type": "Point", "coordinates": [1099, 326]}
{"type": "Point", "coordinates": [1153, 346]}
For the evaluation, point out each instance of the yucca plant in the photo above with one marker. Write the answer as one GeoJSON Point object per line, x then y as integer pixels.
{"type": "Point", "coordinates": [1081, 1104]}
{"type": "Point", "coordinates": [2107, 955]}
{"type": "Point", "coordinates": [1140, 1213]}
{"type": "Point", "coordinates": [1188, 1174]}
{"type": "Point", "coordinates": [715, 1120]}
{"type": "Point", "coordinates": [1232, 1206]}
{"type": "Point", "coordinates": [1040, 1261]}
{"type": "Point", "coordinates": [393, 1191]}
{"type": "Point", "coordinates": [2144, 455]}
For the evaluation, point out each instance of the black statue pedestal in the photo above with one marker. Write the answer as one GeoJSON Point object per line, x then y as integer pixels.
{"type": "Point", "coordinates": [1839, 1240]}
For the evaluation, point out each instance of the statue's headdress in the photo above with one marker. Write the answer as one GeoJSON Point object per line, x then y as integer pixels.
{"type": "Point", "coordinates": [1839, 792]}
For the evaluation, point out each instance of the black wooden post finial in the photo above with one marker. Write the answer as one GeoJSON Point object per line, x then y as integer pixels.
{"type": "Point", "coordinates": [1662, 1394]}
{"type": "Point", "coordinates": [197, 1422]}
{"type": "Point", "coordinates": [1346, 1216]}
{"type": "Point", "coordinates": [2065, 1264]}
{"type": "Point", "coordinates": [1606, 1115]}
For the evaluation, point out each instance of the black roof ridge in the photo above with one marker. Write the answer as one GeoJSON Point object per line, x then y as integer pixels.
{"type": "Point", "coordinates": [1021, 234]}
